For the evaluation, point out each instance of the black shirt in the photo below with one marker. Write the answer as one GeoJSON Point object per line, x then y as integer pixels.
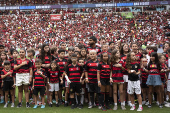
{"type": "Point", "coordinates": [9, 77]}
{"type": "Point", "coordinates": [134, 66]}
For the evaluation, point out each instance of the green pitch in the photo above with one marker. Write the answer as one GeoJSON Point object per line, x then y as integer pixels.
{"type": "Point", "coordinates": [62, 109]}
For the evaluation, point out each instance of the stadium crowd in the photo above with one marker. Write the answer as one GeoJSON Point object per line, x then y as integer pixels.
{"type": "Point", "coordinates": [36, 28]}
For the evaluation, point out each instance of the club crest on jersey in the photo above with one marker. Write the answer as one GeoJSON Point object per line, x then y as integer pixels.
{"type": "Point", "coordinates": [56, 73]}
{"type": "Point", "coordinates": [77, 68]}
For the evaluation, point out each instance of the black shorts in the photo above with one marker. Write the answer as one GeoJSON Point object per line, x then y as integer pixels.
{"type": "Point", "coordinates": [61, 85]}
{"type": "Point", "coordinates": [75, 88]}
{"type": "Point", "coordinates": [41, 90]}
{"type": "Point", "coordinates": [93, 88]}
{"type": "Point", "coordinates": [105, 81]}
{"type": "Point", "coordinates": [7, 86]}
{"type": "Point", "coordinates": [144, 85]}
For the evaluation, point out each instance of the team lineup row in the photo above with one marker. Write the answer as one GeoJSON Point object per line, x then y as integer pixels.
{"type": "Point", "coordinates": [98, 70]}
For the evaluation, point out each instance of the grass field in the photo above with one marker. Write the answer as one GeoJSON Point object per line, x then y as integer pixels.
{"type": "Point", "coordinates": [62, 109]}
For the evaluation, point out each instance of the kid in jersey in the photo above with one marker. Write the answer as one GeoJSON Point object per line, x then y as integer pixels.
{"type": "Point", "coordinates": [144, 77]}
{"type": "Point", "coordinates": [91, 76]}
{"type": "Point", "coordinates": [154, 78]}
{"type": "Point", "coordinates": [133, 69]}
{"type": "Point", "coordinates": [162, 60]}
{"type": "Point", "coordinates": [116, 76]}
{"type": "Point", "coordinates": [61, 61]}
{"type": "Point", "coordinates": [38, 82]}
{"type": "Point", "coordinates": [30, 54]}
{"type": "Point", "coordinates": [9, 82]}
{"type": "Point", "coordinates": [74, 72]}
{"type": "Point", "coordinates": [103, 75]}
{"type": "Point", "coordinates": [3, 58]}
{"type": "Point", "coordinates": [53, 81]}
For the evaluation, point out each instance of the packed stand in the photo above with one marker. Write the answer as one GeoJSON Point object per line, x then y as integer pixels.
{"type": "Point", "coordinates": [145, 27]}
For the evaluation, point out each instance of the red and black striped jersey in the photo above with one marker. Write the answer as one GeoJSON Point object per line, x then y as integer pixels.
{"type": "Point", "coordinates": [47, 60]}
{"type": "Point", "coordinates": [74, 72]}
{"type": "Point", "coordinates": [1, 68]}
{"type": "Point", "coordinates": [153, 69]}
{"type": "Point", "coordinates": [96, 48]}
{"type": "Point", "coordinates": [104, 70]}
{"type": "Point", "coordinates": [134, 66]}
{"type": "Point", "coordinates": [91, 68]}
{"type": "Point", "coordinates": [12, 65]}
{"type": "Point", "coordinates": [12, 62]}
{"type": "Point", "coordinates": [144, 75]}
{"type": "Point", "coordinates": [54, 58]}
{"type": "Point", "coordinates": [39, 80]}
{"type": "Point", "coordinates": [62, 64]}
{"type": "Point", "coordinates": [25, 68]}
{"type": "Point", "coordinates": [139, 57]}
{"type": "Point", "coordinates": [9, 77]}
{"type": "Point", "coordinates": [123, 57]}
{"type": "Point", "coordinates": [117, 73]}
{"type": "Point", "coordinates": [53, 76]}
{"type": "Point", "coordinates": [66, 57]}
{"type": "Point", "coordinates": [163, 74]}
{"type": "Point", "coordinates": [33, 64]}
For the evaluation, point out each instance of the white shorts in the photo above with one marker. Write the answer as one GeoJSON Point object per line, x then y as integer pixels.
{"type": "Point", "coordinates": [134, 86]}
{"type": "Point", "coordinates": [54, 87]}
{"type": "Point", "coordinates": [67, 84]}
{"type": "Point", "coordinates": [22, 79]}
{"type": "Point", "coordinates": [168, 85]}
{"type": "Point", "coordinates": [125, 78]}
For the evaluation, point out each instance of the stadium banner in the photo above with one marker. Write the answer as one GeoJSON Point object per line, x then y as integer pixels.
{"type": "Point", "coordinates": [27, 7]}
{"type": "Point", "coordinates": [127, 14]}
{"type": "Point", "coordinates": [159, 3]}
{"type": "Point", "coordinates": [54, 17]}
{"type": "Point", "coordinates": [124, 4]}
{"type": "Point", "coordinates": [2, 8]}
{"type": "Point", "coordinates": [11, 7]}
{"type": "Point", "coordinates": [141, 3]}
{"type": "Point", "coordinates": [43, 7]}
{"type": "Point", "coordinates": [106, 5]}
{"type": "Point", "coordinates": [55, 6]}
{"type": "Point", "coordinates": [66, 6]}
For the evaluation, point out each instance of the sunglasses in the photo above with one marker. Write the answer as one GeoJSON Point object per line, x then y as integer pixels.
{"type": "Point", "coordinates": [144, 61]}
